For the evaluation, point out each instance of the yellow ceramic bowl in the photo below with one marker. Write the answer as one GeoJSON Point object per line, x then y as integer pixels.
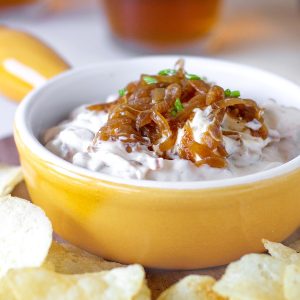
{"type": "Point", "coordinates": [175, 225]}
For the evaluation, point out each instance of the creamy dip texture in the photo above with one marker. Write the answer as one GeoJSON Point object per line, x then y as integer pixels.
{"type": "Point", "coordinates": [72, 140]}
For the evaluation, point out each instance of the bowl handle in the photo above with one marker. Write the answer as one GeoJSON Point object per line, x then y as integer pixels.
{"type": "Point", "coordinates": [25, 63]}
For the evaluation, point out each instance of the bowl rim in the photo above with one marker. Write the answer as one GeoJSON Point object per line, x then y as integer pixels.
{"type": "Point", "coordinates": [34, 145]}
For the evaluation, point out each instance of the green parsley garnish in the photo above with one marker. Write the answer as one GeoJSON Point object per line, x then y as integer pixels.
{"type": "Point", "coordinates": [233, 94]}
{"type": "Point", "coordinates": [227, 92]}
{"type": "Point", "coordinates": [122, 92]}
{"type": "Point", "coordinates": [173, 112]}
{"type": "Point", "coordinates": [167, 72]}
{"type": "Point", "coordinates": [149, 79]}
{"type": "Point", "coordinates": [192, 77]}
{"type": "Point", "coordinates": [178, 107]}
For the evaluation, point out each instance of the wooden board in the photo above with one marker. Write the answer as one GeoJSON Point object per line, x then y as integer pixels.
{"type": "Point", "coordinates": [158, 280]}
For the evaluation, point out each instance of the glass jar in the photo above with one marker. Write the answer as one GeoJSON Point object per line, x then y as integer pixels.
{"type": "Point", "coordinates": [161, 22]}
{"type": "Point", "coordinates": [15, 3]}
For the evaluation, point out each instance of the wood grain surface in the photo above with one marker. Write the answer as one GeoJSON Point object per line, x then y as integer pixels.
{"type": "Point", "coordinates": [158, 280]}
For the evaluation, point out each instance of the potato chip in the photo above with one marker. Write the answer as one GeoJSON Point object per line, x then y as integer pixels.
{"type": "Point", "coordinates": [192, 287]}
{"type": "Point", "coordinates": [68, 259]}
{"type": "Point", "coordinates": [282, 252]}
{"type": "Point", "coordinates": [291, 282]}
{"type": "Point", "coordinates": [254, 276]}
{"type": "Point", "coordinates": [10, 176]}
{"type": "Point", "coordinates": [5, 293]}
{"type": "Point", "coordinates": [25, 234]}
{"type": "Point", "coordinates": [38, 283]}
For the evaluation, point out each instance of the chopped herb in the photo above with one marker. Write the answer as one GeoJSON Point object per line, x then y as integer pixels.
{"type": "Point", "coordinates": [167, 72]}
{"type": "Point", "coordinates": [173, 112]}
{"type": "Point", "coordinates": [192, 77]}
{"type": "Point", "coordinates": [177, 107]}
{"type": "Point", "coordinates": [122, 92]}
{"type": "Point", "coordinates": [233, 94]}
{"type": "Point", "coordinates": [227, 92]}
{"type": "Point", "coordinates": [149, 80]}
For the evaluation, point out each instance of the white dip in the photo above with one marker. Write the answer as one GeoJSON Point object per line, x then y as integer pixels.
{"type": "Point", "coordinates": [72, 140]}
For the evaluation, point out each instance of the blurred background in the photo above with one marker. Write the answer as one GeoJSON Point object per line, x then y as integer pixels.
{"type": "Point", "coordinates": [261, 33]}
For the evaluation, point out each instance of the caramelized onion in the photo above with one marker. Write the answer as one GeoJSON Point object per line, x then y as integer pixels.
{"type": "Point", "coordinates": [162, 124]}
{"type": "Point", "coordinates": [102, 106]}
{"type": "Point", "coordinates": [214, 94]}
{"type": "Point", "coordinates": [154, 109]}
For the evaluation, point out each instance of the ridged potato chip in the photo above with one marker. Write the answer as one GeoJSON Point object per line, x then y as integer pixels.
{"type": "Point", "coordinates": [126, 283]}
{"type": "Point", "coordinates": [291, 282]}
{"type": "Point", "coordinates": [68, 259]}
{"type": "Point", "coordinates": [254, 276]}
{"type": "Point", "coordinates": [25, 234]}
{"type": "Point", "coordinates": [192, 287]}
{"type": "Point", "coordinates": [10, 176]}
{"type": "Point", "coordinates": [282, 252]}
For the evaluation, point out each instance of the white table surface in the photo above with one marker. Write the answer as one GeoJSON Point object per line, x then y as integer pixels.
{"type": "Point", "coordinates": [261, 33]}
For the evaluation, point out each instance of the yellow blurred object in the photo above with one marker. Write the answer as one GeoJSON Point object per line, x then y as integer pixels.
{"type": "Point", "coordinates": [25, 63]}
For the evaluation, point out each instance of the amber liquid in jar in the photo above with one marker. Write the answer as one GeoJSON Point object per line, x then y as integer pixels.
{"type": "Point", "coordinates": [13, 3]}
{"type": "Point", "coordinates": [161, 21]}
